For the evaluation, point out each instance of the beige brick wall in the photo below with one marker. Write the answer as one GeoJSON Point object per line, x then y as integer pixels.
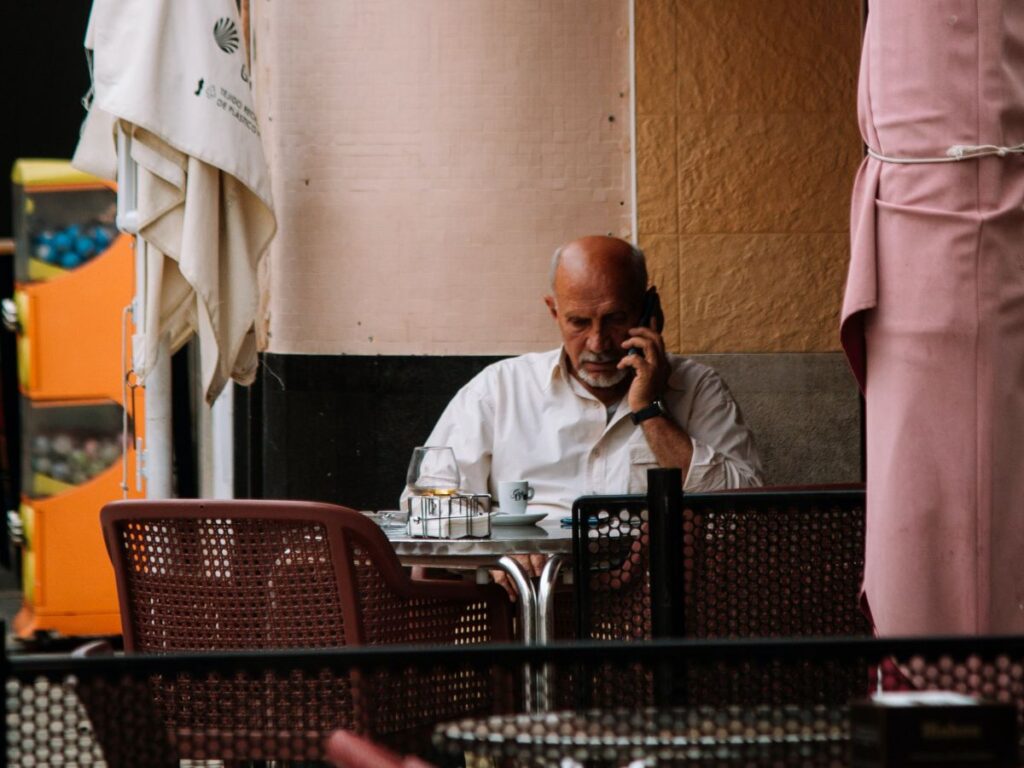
{"type": "Point", "coordinates": [746, 149]}
{"type": "Point", "coordinates": [427, 157]}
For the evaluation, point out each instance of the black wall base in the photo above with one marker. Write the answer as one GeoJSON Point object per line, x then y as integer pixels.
{"type": "Point", "coordinates": [340, 428]}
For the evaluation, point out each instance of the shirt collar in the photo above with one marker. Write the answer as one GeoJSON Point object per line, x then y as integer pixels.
{"type": "Point", "coordinates": [559, 369]}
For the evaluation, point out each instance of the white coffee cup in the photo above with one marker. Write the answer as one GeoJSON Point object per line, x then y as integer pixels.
{"type": "Point", "coordinates": [513, 495]}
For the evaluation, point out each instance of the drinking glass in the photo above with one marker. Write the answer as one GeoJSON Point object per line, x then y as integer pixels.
{"type": "Point", "coordinates": [433, 471]}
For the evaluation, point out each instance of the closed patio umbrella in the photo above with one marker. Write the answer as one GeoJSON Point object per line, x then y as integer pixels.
{"type": "Point", "coordinates": [173, 75]}
{"type": "Point", "coordinates": [933, 317]}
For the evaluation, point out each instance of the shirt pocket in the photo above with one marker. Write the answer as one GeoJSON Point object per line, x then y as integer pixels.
{"type": "Point", "coordinates": [641, 459]}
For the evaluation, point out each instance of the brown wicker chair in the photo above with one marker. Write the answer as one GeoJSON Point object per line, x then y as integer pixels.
{"type": "Point", "coordinates": [196, 575]}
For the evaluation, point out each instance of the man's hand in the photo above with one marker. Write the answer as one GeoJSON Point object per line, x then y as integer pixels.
{"type": "Point", "coordinates": [533, 564]}
{"type": "Point", "coordinates": [650, 371]}
{"type": "Point", "coordinates": [668, 440]}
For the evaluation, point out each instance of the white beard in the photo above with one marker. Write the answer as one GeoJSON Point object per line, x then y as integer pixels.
{"type": "Point", "coordinates": [600, 381]}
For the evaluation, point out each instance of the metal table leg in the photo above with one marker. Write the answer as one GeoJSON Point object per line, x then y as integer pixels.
{"type": "Point", "coordinates": [527, 618]}
{"type": "Point", "coordinates": [546, 627]}
{"type": "Point", "coordinates": [527, 597]}
{"type": "Point", "coordinates": [546, 599]}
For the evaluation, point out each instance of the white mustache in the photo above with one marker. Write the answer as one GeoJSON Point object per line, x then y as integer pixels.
{"type": "Point", "coordinates": [596, 357]}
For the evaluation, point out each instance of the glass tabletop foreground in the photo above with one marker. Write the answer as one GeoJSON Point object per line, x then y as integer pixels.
{"type": "Point", "coordinates": [547, 537]}
{"type": "Point", "coordinates": [733, 735]}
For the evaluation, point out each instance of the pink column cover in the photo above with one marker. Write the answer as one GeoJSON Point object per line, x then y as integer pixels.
{"type": "Point", "coordinates": [933, 317]}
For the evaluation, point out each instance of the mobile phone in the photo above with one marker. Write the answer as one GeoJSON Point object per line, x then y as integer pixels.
{"type": "Point", "coordinates": [652, 309]}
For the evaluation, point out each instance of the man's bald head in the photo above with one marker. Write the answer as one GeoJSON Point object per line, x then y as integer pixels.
{"type": "Point", "coordinates": [610, 258]}
{"type": "Point", "coordinates": [597, 287]}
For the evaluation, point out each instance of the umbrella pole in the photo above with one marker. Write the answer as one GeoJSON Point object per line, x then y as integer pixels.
{"type": "Point", "coordinates": [153, 450]}
{"type": "Point", "coordinates": [157, 434]}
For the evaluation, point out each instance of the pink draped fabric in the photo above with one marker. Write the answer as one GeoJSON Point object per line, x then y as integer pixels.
{"type": "Point", "coordinates": [933, 317]}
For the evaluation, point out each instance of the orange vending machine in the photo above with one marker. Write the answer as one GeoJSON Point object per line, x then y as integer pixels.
{"type": "Point", "coordinates": [73, 280]}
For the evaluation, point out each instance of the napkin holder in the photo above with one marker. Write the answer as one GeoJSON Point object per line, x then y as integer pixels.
{"type": "Point", "coordinates": [459, 516]}
{"type": "Point", "coordinates": [932, 729]}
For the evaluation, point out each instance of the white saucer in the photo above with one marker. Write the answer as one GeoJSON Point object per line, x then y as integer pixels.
{"type": "Point", "coordinates": [530, 518]}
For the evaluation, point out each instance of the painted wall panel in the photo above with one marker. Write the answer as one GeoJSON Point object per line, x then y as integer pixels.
{"type": "Point", "coordinates": [747, 145]}
{"type": "Point", "coordinates": [428, 157]}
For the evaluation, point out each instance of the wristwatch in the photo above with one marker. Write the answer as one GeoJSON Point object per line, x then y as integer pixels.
{"type": "Point", "coordinates": [657, 408]}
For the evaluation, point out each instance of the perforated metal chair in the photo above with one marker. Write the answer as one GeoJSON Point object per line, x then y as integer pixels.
{"type": "Point", "coordinates": [778, 562]}
{"type": "Point", "coordinates": [218, 575]}
{"type": "Point", "coordinates": [195, 575]}
{"type": "Point", "coordinates": [781, 562]}
{"type": "Point", "coordinates": [46, 725]}
{"type": "Point", "coordinates": [611, 561]}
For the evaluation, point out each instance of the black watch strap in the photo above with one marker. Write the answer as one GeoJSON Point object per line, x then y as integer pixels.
{"type": "Point", "coordinates": [657, 408]}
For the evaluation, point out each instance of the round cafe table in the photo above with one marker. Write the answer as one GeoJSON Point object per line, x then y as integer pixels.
{"type": "Point", "coordinates": [495, 553]}
{"type": "Point", "coordinates": [706, 736]}
{"type": "Point", "coordinates": [536, 603]}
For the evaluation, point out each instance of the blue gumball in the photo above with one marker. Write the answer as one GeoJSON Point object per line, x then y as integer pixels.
{"type": "Point", "coordinates": [73, 230]}
{"type": "Point", "coordinates": [100, 236]}
{"type": "Point", "coordinates": [85, 247]}
{"type": "Point", "coordinates": [70, 260]}
{"type": "Point", "coordinates": [61, 241]}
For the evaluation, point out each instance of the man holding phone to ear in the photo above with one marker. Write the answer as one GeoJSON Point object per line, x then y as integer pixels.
{"type": "Point", "coordinates": [594, 415]}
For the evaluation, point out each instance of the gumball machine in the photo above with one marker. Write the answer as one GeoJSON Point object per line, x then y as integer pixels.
{"type": "Point", "coordinates": [73, 280]}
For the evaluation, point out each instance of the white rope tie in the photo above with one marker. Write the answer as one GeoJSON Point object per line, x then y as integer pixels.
{"type": "Point", "coordinates": [954, 154]}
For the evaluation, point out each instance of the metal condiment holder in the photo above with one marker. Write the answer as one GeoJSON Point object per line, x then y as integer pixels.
{"type": "Point", "coordinates": [459, 516]}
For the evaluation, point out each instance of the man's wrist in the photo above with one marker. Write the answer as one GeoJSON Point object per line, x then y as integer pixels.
{"type": "Point", "coordinates": [654, 410]}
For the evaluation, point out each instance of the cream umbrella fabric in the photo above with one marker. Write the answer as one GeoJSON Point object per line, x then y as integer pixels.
{"type": "Point", "coordinates": [174, 73]}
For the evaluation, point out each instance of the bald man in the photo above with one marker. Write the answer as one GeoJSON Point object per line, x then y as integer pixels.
{"type": "Point", "coordinates": [589, 417]}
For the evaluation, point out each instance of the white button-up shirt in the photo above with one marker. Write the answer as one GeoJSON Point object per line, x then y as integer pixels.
{"type": "Point", "coordinates": [526, 418]}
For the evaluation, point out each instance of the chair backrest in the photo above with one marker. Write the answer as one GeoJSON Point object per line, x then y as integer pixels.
{"type": "Point", "coordinates": [243, 574]}
{"type": "Point", "coordinates": [765, 563]}
{"type": "Point", "coordinates": [611, 561]}
{"type": "Point", "coordinates": [774, 563]}
{"type": "Point", "coordinates": [768, 563]}
{"type": "Point", "coordinates": [196, 575]}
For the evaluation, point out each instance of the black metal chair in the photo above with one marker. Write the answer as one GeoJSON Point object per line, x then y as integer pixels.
{"type": "Point", "coordinates": [748, 564]}
{"type": "Point", "coordinates": [766, 563]}
{"type": "Point", "coordinates": [774, 563]}
{"type": "Point", "coordinates": [46, 723]}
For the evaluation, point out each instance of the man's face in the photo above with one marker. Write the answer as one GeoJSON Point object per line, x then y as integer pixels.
{"type": "Point", "coordinates": [594, 313]}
